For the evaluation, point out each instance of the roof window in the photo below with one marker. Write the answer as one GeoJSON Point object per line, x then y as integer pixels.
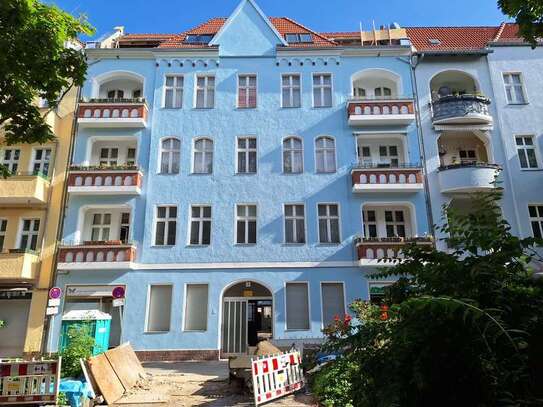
{"type": "Point", "coordinates": [198, 39]}
{"type": "Point", "coordinates": [434, 41]}
{"type": "Point", "coordinates": [299, 38]}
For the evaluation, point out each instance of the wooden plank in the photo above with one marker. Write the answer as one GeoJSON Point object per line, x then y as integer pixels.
{"type": "Point", "coordinates": [106, 379]}
{"type": "Point", "coordinates": [126, 364]}
{"type": "Point", "coordinates": [88, 378]}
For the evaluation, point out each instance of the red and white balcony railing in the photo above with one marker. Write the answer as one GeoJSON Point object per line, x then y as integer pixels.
{"type": "Point", "coordinates": [377, 178]}
{"type": "Point", "coordinates": [363, 112]}
{"type": "Point", "coordinates": [105, 180]}
{"type": "Point", "coordinates": [97, 252]}
{"type": "Point", "coordinates": [387, 247]}
{"type": "Point", "coordinates": [112, 113]}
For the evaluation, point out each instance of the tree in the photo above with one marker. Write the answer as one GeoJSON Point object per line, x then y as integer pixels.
{"type": "Point", "coordinates": [464, 328]}
{"type": "Point", "coordinates": [528, 15]}
{"type": "Point", "coordinates": [35, 62]}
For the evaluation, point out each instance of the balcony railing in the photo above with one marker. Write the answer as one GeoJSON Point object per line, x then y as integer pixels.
{"type": "Point", "coordinates": [379, 178]}
{"type": "Point", "coordinates": [17, 265]}
{"type": "Point", "coordinates": [24, 189]}
{"type": "Point", "coordinates": [113, 251]}
{"type": "Point", "coordinates": [362, 111]}
{"type": "Point", "coordinates": [112, 113]}
{"type": "Point", "coordinates": [468, 177]}
{"type": "Point", "coordinates": [461, 109]}
{"type": "Point", "coordinates": [387, 247]}
{"type": "Point", "coordinates": [96, 180]}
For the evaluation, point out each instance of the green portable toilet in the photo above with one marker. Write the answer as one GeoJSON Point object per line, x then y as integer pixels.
{"type": "Point", "coordinates": [99, 324]}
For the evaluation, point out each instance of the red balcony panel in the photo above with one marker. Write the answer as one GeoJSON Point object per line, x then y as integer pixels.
{"type": "Point", "coordinates": [386, 248]}
{"type": "Point", "coordinates": [99, 252]}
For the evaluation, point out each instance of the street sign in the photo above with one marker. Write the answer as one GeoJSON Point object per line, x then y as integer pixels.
{"type": "Point", "coordinates": [51, 311]}
{"type": "Point", "coordinates": [118, 302]}
{"type": "Point", "coordinates": [118, 292]}
{"type": "Point", "coordinates": [55, 293]}
{"type": "Point", "coordinates": [53, 302]}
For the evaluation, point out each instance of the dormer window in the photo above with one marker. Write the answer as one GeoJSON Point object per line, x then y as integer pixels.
{"type": "Point", "coordinates": [198, 39]}
{"type": "Point", "coordinates": [299, 38]}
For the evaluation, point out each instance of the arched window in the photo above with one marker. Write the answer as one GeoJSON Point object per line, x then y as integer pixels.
{"type": "Point", "coordinates": [203, 156]}
{"type": "Point", "coordinates": [325, 154]}
{"type": "Point", "coordinates": [293, 162]}
{"type": "Point", "coordinates": [169, 156]}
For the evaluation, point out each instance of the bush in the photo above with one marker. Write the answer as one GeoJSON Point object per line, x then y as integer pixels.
{"type": "Point", "coordinates": [80, 346]}
{"type": "Point", "coordinates": [333, 383]}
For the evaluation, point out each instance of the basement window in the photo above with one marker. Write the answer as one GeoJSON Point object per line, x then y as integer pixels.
{"type": "Point", "coordinates": [299, 38]}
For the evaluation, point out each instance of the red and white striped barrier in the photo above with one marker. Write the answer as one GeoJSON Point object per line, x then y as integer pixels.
{"type": "Point", "coordinates": [276, 376]}
{"type": "Point", "coordinates": [24, 382]}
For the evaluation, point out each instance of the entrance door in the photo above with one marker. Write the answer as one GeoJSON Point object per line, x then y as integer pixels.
{"type": "Point", "coordinates": [234, 330]}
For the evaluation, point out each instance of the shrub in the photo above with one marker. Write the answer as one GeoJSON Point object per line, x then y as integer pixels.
{"type": "Point", "coordinates": [80, 346]}
{"type": "Point", "coordinates": [333, 383]}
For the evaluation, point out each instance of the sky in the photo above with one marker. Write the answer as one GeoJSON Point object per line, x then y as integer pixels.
{"type": "Point", "coordinates": [174, 16]}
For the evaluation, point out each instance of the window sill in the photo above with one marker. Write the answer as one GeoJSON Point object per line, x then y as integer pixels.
{"type": "Point", "coordinates": [291, 107]}
{"type": "Point", "coordinates": [518, 104]}
{"type": "Point", "coordinates": [531, 169]}
{"type": "Point", "coordinates": [328, 244]}
{"type": "Point", "coordinates": [245, 244]}
{"type": "Point", "coordinates": [298, 330]}
{"type": "Point", "coordinates": [203, 108]}
{"type": "Point", "coordinates": [197, 246]}
{"type": "Point", "coordinates": [156, 246]}
{"type": "Point", "coordinates": [201, 173]}
{"type": "Point", "coordinates": [247, 108]}
{"type": "Point", "coordinates": [171, 108]}
{"type": "Point", "coordinates": [155, 332]}
{"type": "Point", "coordinates": [293, 244]}
{"type": "Point", "coordinates": [195, 330]}
{"type": "Point", "coordinates": [292, 173]}
{"type": "Point", "coordinates": [245, 173]}
{"type": "Point", "coordinates": [325, 172]}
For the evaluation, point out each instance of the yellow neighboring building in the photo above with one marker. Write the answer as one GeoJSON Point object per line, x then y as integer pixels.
{"type": "Point", "coordinates": [31, 203]}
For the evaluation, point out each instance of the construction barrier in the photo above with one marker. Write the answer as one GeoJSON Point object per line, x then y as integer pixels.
{"type": "Point", "coordinates": [29, 382]}
{"type": "Point", "coordinates": [276, 376]}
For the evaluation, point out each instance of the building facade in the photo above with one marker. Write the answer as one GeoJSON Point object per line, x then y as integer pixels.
{"type": "Point", "coordinates": [239, 181]}
{"type": "Point", "coordinates": [30, 214]}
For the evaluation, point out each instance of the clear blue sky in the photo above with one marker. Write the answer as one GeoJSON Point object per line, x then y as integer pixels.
{"type": "Point", "coordinates": [173, 16]}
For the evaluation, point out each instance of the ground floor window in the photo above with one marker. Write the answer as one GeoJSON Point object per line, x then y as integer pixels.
{"type": "Point", "coordinates": [196, 307]}
{"type": "Point", "coordinates": [333, 302]}
{"type": "Point", "coordinates": [159, 305]}
{"type": "Point", "coordinates": [297, 306]}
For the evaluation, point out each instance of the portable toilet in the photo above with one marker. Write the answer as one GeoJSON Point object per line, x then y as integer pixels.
{"type": "Point", "coordinates": [98, 322]}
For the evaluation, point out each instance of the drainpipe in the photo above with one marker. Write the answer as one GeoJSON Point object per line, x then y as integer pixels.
{"type": "Point", "coordinates": [60, 226]}
{"type": "Point", "coordinates": [414, 63]}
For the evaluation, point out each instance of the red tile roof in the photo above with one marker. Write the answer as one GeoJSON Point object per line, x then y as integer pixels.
{"type": "Point", "coordinates": [283, 25]}
{"type": "Point", "coordinates": [428, 39]}
{"type": "Point", "coordinates": [509, 33]}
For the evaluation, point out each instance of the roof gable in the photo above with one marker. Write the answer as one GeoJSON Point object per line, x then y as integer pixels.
{"type": "Point", "coordinates": [247, 32]}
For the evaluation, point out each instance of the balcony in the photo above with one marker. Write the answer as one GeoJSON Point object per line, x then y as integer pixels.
{"type": "Point", "coordinates": [374, 178]}
{"type": "Point", "coordinates": [20, 189]}
{"type": "Point", "coordinates": [18, 265]}
{"type": "Point", "coordinates": [376, 112]}
{"type": "Point", "coordinates": [461, 109]}
{"type": "Point", "coordinates": [369, 249]}
{"type": "Point", "coordinates": [120, 113]}
{"type": "Point", "coordinates": [114, 253]}
{"type": "Point", "coordinates": [468, 177]}
{"type": "Point", "coordinates": [125, 180]}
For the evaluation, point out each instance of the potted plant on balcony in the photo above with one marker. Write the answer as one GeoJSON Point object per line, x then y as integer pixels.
{"type": "Point", "coordinates": [2, 323]}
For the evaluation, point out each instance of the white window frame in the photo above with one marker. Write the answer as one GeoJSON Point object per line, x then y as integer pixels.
{"type": "Point", "coordinates": [246, 218]}
{"type": "Point", "coordinates": [171, 152]}
{"type": "Point", "coordinates": [185, 297]}
{"type": "Point", "coordinates": [31, 233]}
{"type": "Point", "coordinates": [291, 87]}
{"type": "Point", "coordinates": [538, 218]}
{"type": "Point", "coordinates": [205, 152]}
{"type": "Point", "coordinates": [294, 218]}
{"type": "Point", "coordinates": [523, 87]}
{"type": "Point", "coordinates": [325, 150]}
{"type": "Point", "coordinates": [42, 162]}
{"type": "Point", "coordinates": [167, 221]}
{"type": "Point", "coordinates": [200, 221]}
{"type": "Point", "coordinates": [205, 89]}
{"type": "Point", "coordinates": [9, 163]}
{"type": "Point", "coordinates": [3, 233]}
{"type": "Point", "coordinates": [524, 147]}
{"type": "Point", "coordinates": [247, 151]}
{"type": "Point", "coordinates": [321, 86]}
{"type": "Point", "coordinates": [147, 308]}
{"type": "Point", "coordinates": [247, 88]}
{"type": "Point", "coordinates": [367, 223]}
{"type": "Point", "coordinates": [328, 218]}
{"type": "Point", "coordinates": [306, 283]}
{"type": "Point", "coordinates": [291, 152]}
{"type": "Point", "coordinates": [345, 309]}
{"type": "Point", "coordinates": [174, 89]}
{"type": "Point", "coordinates": [109, 159]}
{"type": "Point", "coordinates": [101, 227]}
{"type": "Point", "coordinates": [395, 223]}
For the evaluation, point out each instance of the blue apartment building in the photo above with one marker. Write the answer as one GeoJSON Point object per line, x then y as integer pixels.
{"type": "Point", "coordinates": [239, 181]}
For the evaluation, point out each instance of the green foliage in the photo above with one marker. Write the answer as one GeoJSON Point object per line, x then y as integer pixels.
{"type": "Point", "coordinates": [62, 399]}
{"type": "Point", "coordinates": [528, 14]}
{"type": "Point", "coordinates": [80, 346]}
{"type": "Point", "coordinates": [2, 323]}
{"type": "Point", "coordinates": [333, 383]}
{"type": "Point", "coordinates": [35, 62]}
{"type": "Point", "coordinates": [464, 327]}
